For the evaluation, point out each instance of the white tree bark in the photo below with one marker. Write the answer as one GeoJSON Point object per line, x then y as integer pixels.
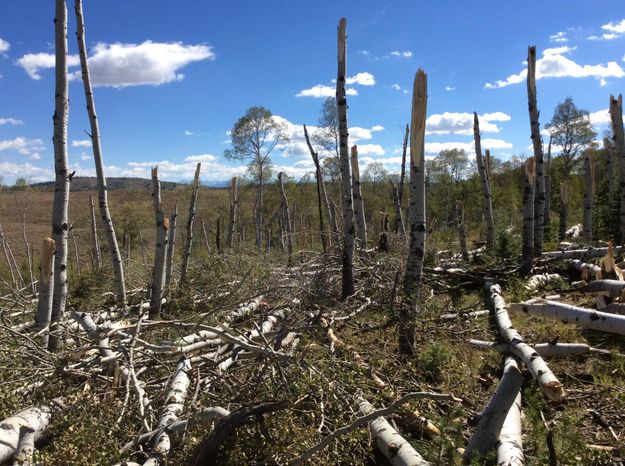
{"type": "Point", "coordinates": [548, 382]}
{"type": "Point", "coordinates": [486, 192]}
{"type": "Point", "coordinates": [527, 258]}
{"type": "Point", "coordinates": [399, 220]}
{"type": "Point", "coordinates": [160, 252]}
{"type": "Point", "coordinates": [189, 241]}
{"type": "Point", "coordinates": [94, 236]}
{"type": "Point", "coordinates": [547, 215]}
{"type": "Point", "coordinates": [60, 225]}
{"type": "Point", "coordinates": [510, 444]}
{"type": "Point", "coordinates": [171, 245]}
{"type": "Point", "coordinates": [359, 208]}
{"type": "Point", "coordinates": [588, 253]}
{"type": "Point", "coordinates": [105, 214]}
{"type": "Point", "coordinates": [616, 116]}
{"type": "Point", "coordinates": [588, 197]}
{"type": "Point", "coordinates": [287, 221]}
{"type": "Point", "coordinates": [25, 447]}
{"type": "Point", "coordinates": [545, 350]}
{"type": "Point", "coordinates": [392, 445]}
{"type": "Point", "coordinates": [417, 220]}
{"type": "Point", "coordinates": [46, 285]}
{"type": "Point", "coordinates": [346, 181]}
{"type": "Point", "coordinates": [234, 207]}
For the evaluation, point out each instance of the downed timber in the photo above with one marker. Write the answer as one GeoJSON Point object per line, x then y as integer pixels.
{"type": "Point", "coordinates": [25, 447]}
{"type": "Point", "coordinates": [36, 418]}
{"type": "Point", "coordinates": [545, 350]}
{"type": "Point", "coordinates": [610, 288]}
{"type": "Point", "coordinates": [536, 281]}
{"type": "Point", "coordinates": [510, 443]}
{"type": "Point", "coordinates": [548, 382]}
{"type": "Point", "coordinates": [492, 419]}
{"type": "Point", "coordinates": [464, 315]}
{"type": "Point", "coordinates": [587, 253]}
{"type": "Point", "coordinates": [585, 268]}
{"type": "Point", "coordinates": [392, 445]}
{"type": "Point", "coordinates": [567, 314]}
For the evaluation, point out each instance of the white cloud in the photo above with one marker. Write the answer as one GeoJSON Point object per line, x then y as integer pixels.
{"type": "Point", "coordinates": [200, 158]}
{"type": "Point", "coordinates": [35, 156]}
{"type": "Point", "coordinates": [433, 148]}
{"type": "Point", "coordinates": [559, 66]}
{"type": "Point", "coordinates": [600, 117]}
{"type": "Point", "coordinates": [321, 90]}
{"type": "Point", "coordinates": [370, 149]}
{"type": "Point", "coordinates": [122, 65]}
{"type": "Point", "coordinates": [84, 156]}
{"type": "Point", "coordinates": [556, 51]}
{"type": "Point", "coordinates": [10, 121]}
{"type": "Point", "coordinates": [363, 79]}
{"type": "Point", "coordinates": [450, 88]}
{"type": "Point", "coordinates": [397, 87]}
{"type": "Point", "coordinates": [406, 54]}
{"type": "Point", "coordinates": [81, 143]}
{"type": "Point", "coordinates": [603, 82]}
{"type": "Point", "coordinates": [558, 37]}
{"type": "Point", "coordinates": [4, 46]}
{"type": "Point", "coordinates": [615, 29]}
{"type": "Point", "coordinates": [462, 123]}
{"type": "Point", "coordinates": [188, 133]}
{"type": "Point", "coordinates": [375, 128]}
{"type": "Point", "coordinates": [22, 145]}
{"type": "Point", "coordinates": [365, 52]}
{"type": "Point", "coordinates": [27, 170]}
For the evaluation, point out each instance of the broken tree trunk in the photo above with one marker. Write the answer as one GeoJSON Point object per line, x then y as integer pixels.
{"type": "Point", "coordinates": [494, 415]}
{"type": "Point", "coordinates": [46, 286]}
{"type": "Point", "coordinates": [550, 385]}
{"type": "Point", "coordinates": [158, 271]}
{"type": "Point", "coordinates": [527, 259]}
{"type": "Point", "coordinates": [462, 232]}
{"type": "Point", "coordinates": [234, 207]}
{"type": "Point", "coordinates": [608, 163]}
{"type": "Point", "coordinates": [539, 194]}
{"type": "Point", "coordinates": [616, 116]}
{"type": "Point", "coordinates": [547, 216]}
{"type": "Point", "coordinates": [359, 208]}
{"type": "Point", "coordinates": [189, 240]}
{"type": "Point", "coordinates": [417, 220]}
{"type": "Point", "coordinates": [171, 242]}
{"type": "Point", "coordinates": [588, 197]}
{"type": "Point", "coordinates": [588, 253]}
{"type": "Point", "coordinates": [60, 204]}
{"type": "Point", "coordinates": [488, 201]}
{"type": "Point", "coordinates": [346, 181]}
{"type": "Point", "coordinates": [109, 229]}
{"type": "Point", "coordinates": [94, 236]}
{"type": "Point", "coordinates": [399, 221]}
{"type": "Point", "coordinates": [286, 221]}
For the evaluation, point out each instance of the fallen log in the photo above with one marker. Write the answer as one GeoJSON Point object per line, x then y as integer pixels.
{"type": "Point", "coordinates": [609, 288]}
{"type": "Point", "coordinates": [588, 253]}
{"type": "Point", "coordinates": [545, 350]}
{"type": "Point", "coordinates": [510, 443]}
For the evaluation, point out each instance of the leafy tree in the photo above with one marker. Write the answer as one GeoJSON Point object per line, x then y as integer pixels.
{"type": "Point", "coordinates": [571, 129]}
{"type": "Point", "coordinates": [21, 182]}
{"type": "Point", "coordinates": [327, 137]}
{"type": "Point", "coordinates": [254, 136]}
{"type": "Point", "coordinates": [375, 173]}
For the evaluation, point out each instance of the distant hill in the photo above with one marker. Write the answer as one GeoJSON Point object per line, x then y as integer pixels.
{"type": "Point", "coordinates": [89, 183]}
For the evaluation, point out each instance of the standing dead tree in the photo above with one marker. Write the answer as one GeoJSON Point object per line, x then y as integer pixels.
{"type": "Point", "coordinates": [348, 211]}
{"type": "Point", "coordinates": [234, 207]}
{"type": "Point", "coordinates": [416, 217]}
{"type": "Point", "coordinates": [488, 201]}
{"type": "Point", "coordinates": [539, 194]}
{"type": "Point", "coordinates": [462, 232]}
{"type": "Point", "coordinates": [60, 224]}
{"type": "Point", "coordinates": [286, 221]}
{"type": "Point", "coordinates": [359, 208]}
{"type": "Point", "coordinates": [94, 236]}
{"type": "Point", "coordinates": [547, 175]}
{"type": "Point", "coordinates": [105, 214]}
{"type": "Point", "coordinates": [158, 272]}
{"type": "Point", "coordinates": [616, 116]}
{"type": "Point", "coordinates": [16, 276]}
{"type": "Point", "coordinates": [527, 250]}
{"type": "Point", "coordinates": [46, 285]}
{"type": "Point", "coordinates": [399, 221]}
{"type": "Point", "coordinates": [190, 219]}
{"type": "Point", "coordinates": [588, 196]}
{"type": "Point", "coordinates": [171, 243]}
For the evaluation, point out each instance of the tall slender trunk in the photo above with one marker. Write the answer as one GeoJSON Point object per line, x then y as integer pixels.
{"type": "Point", "coordinates": [588, 196]}
{"type": "Point", "coordinates": [616, 116]}
{"type": "Point", "coordinates": [527, 250]}
{"type": "Point", "coordinates": [399, 220]}
{"type": "Point", "coordinates": [46, 285]}
{"type": "Point", "coordinates": [346, 181]}
{"type": "Point", "coordinates": [417, 220]}
{"type": "Point", "coordinates": [189, 241]}
{"type": "Point", "coordinates": [260, 194]}
{"type": "Point", "coordinates": [171, 245]}
{"type": "Point", "coordinates": [539, 191]}
{"type": "Point", "coordinates": [218, 235]}
{"type": "Point", "coordinates": [359, 208]}
{"type": "Point", "coordinates": [234, 206]}
{"type": "Point", "coordinates": [564, 207]}
{"type": "Point", "coordinates": [608, 163]}
{"type": "Point", "coordinates": [76, 255]}
{"type": "Point", "coordinates": [94, 236]}
{"type": "Point", "coordinates": [60, 224]}
{"type": "Point", "coordinates": [105, 214]}
{"type": "Point", "coordinates": [488, 201]}
{"type": "Point", "coordinates": [547, 216]}
{"type": "Point", "coordinates": [286, 221]}
{"type": "Point", "coordinates": [160, 252]}
{"type": "Point", "coordinates": [462, 232]}
{"type": "Point", "coordinates": [29, 255]}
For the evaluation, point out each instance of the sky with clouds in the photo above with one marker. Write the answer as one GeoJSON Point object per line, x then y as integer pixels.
{"type": "Point", "coordinates": [172, 77]}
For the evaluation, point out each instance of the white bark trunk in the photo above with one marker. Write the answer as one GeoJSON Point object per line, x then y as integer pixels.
{"type": "Point", "coordinates": [539, 195]}
{"type": "Point", "coordinates": [588, 197]}
{"type": "Point", "coordinates": [234, 207]}
{"type": "Point", "coordinates": [190, 219]}
{"type": "Point", "coordinates": [171, 245]}
{"type": "Point", "coordinates": [588, 253]}
{"type": "Point", "coordinates": [97, 263]}
{"type": "Point", "coordinates": [287, 221]}
{"type": "Point", "coordinates": [46, 285]}
{"type": "Point", "coordinates": [510, 444]}
{"type": "Point", "coordinates": [359, 208]}
{"type": "Point", "coordinates": [545, 350]}
{"type": "Point", "coordinates": [399, 220]}
{"type": "Point", "coordinates": [486, 192]}
{"type": "Point", "coordinates": [528, 217]}
{"type": "Point", "coordinates": [616, 116]}
{"type": "Point", "coordinates": [161, 223]}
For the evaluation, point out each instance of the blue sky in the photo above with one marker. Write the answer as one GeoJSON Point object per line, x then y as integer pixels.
{"type": "Point", "coordinates": [174, 76]}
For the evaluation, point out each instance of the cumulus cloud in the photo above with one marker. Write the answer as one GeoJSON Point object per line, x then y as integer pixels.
{"type": "Point", "coordinates": [84, 156]}
{"type": "Point", "coordinates": [10, 121]}
{"type": "Point", "coordinates": [600, 117]}
{"type": "Point", "coordinates": [321, 90]}
{"type": "Point", "coordinates": [614, 29]}
{"type": "Point", "coordinates": [405, 54]}
{"type": "Point", "coordinates": [201, 158]}
{"type": "Point", "coordinates": [462, 123]}
{"type": "Point", "coordinates": [370, 149]}
{"type": "Point", "coordinates": [433, 148]}
{"type": "Point", "coordinates": [4, 45]}
{"type": "Point", "coordinates": [558, 37]}
{"type": "Point", "coordinates": [22, 145]}
{"type": "Point", "coordinates": [122, 65]}
{"type": "Point", "coordinates": [362, 79]}
{"type": "Point", "coordinates": [81, 143]}
{"type": "Point", "coordinates": [375, 128]}
{"type": "Point", "coordinates": [558, 66]}
{"type": "Point", "coordinates": [556, 51]}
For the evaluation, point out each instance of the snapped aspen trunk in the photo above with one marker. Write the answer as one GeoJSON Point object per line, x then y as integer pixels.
{"type": "Point", "coordinates": [564, 209]}
{"type": "Point", "coordinates": [105, 215]}
{"type": "Point", "coordinates": [346, 182]}
{"type": "Point", "coordinates": [94, 236]}
{"type": "Point", "coordinates": [588, 196]}
{"type": "Point", "coordinates": [171, 243]}
{"type": "Point", "coordinates": [160, 252]}
{"type": "Point", "coordinates": [609, 162]}
{"type": "Point", "coordinates": [46, 285]}
{"type": "Point", "coordinates": [539, 195]}
{"type": "Point", "coordinates": [547, 215]}
{"type": "Point", "coordinates": [462, 232]}
{"type": "Point", "coordinates": [527, 259]}
{"type": "Point", "coordinates": [616, 116]}
{"type": "Point", "coordinates": [416, 217]}
{"type": "Point", "coordinates": [488, 201]}
{"type": "Point", "coordinates": [234, 207]}
{"type": "Point", "coordinates": [190, 220]}
{"type": "Point", "coordinates": [359, 208]}
{"type": "Point", "coordinates": [399, 221]}
{"type": "Point", "coordinates": [286, 221]}
{"type": "Point", "coordinates": [60, 224]}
